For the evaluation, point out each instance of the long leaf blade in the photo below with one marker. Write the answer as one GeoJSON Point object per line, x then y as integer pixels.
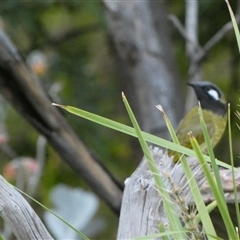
{"type": "Point", "coordinates": [215, 190]}
{"type": "Point", "coordinates": [131, 131]}
{"type": "Point", "coordinates": [202, 210]}
{"type": "Point", "coordinates": [165, 197]}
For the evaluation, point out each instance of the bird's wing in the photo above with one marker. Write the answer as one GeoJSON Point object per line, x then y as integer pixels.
{"type": "Point", "coordinates": [197, 133]}
{"type": "Point", "coordinates": [191, 123]}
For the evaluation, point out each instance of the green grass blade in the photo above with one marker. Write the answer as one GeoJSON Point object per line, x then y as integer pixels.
{"type": "Point", "coordinates": [210, 207]}
{"type": "Point", "coordinates": [214, 187]}
{"type": "Point", "coordinates": [163, 230]}
{"type": "Point", "coordinates": [167, 202]}
{"type": "Point", "coordinates": [123, 128]}
{"type": "Point", "coordinates": [161, 235]}
{"type": "Point", "coordinates": [201, 207]}
{"type": "Point", "coordinates": [170, 128]}
{"type": "Point", "coordinates": [232, 163]}
{"type": "Point", "coordinates": [210, 152]}
{"type": "Point", "coordinates": [235, 25]}
{"type": "Point", "coordinates": [40, 204]}
{"type": "Point", "coordinates": [131, 131]}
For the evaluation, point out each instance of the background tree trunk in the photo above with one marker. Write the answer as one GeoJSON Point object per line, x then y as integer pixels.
{"type": "Point", "coordinates": [142, 37]}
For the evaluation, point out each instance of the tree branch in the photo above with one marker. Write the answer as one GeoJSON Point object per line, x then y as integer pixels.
{"type": "Point", "coordinates": [15, 210]}
{"type": "Point", "coordinates": [201, 52]}
{"type": "Point", "coordinates": [217, 38]}
{"type": "Point", "coordinates": [178, 25]}
{"type": "Point", "coordinates": [21, 88]}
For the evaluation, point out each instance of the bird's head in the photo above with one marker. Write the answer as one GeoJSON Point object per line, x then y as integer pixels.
{"type": "Point", "coordinates": [210, 97]}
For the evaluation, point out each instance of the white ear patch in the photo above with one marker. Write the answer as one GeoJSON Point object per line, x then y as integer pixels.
{"type": "Point", "coordinates": [214, 94]}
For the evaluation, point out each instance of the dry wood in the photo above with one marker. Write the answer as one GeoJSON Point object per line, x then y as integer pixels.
{"type": "Point", "coordinates": [142, 208]}
{"type": "Point", "coordinates": [16, 211]}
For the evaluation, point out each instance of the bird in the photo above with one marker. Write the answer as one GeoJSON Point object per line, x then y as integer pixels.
{"type": "Point", "coordinates": [214, 110]}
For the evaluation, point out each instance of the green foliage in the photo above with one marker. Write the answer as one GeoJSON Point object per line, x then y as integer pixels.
{"type": "Point", "coordinates": [214, 181]}
{"type": "Point", "coordinates": [202, 210]}
{"type": "Point", "coordinates": [236, 30]}
{"type": "Point", "coordinates": [84, 64]}
{"type": "Point", "coordinates": [130, 131]}
{"type": "Point", "coordinates": [174, 221]}
{"type": "Point", "coordinates": [72, 36]}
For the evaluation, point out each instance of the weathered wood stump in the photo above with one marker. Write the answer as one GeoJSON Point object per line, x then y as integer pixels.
{"type": "Point", "coordinates": [16, 211]}
{"type": "Point", "coordinates": [142, 208]}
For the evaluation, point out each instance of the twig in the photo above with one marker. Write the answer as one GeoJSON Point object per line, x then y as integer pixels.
{"type": "Point", "coordinates": [212, 42]}
{"type": "Point", "coordinates": [40, 157]}
{"type": "Point", "coordinates": [217, 38]}
{"type": "Point", "coordinates": [178, 25]}
{"type": "Point", "coordinates": [191, 22]}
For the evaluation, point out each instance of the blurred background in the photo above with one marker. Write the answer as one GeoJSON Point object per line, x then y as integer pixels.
{"type": "Point", "coordinates": [69, 46]}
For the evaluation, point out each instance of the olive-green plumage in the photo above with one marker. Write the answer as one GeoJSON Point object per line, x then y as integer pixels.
{"type": "Point", "coordinates": [214, 111]}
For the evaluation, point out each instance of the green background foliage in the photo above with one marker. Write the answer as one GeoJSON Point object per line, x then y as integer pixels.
{"type": "Point", "coordinates": [73, 36]}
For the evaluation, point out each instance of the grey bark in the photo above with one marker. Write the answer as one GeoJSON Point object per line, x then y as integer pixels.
{"type": "Point", "coordinates": [192, 50]}
{"type": "Point", "coordinates": [142, 208]}
{"type": "Point", "coordinates": [16, 212]}
{"type": "Point", "coordinates": [141, 34]}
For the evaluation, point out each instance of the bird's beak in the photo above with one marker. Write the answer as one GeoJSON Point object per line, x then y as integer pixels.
{"type": "Point", "coordinates": [191, 84]}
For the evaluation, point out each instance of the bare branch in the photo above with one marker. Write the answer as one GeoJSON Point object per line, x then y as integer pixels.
{"type": "Point", "coordinates": [178, 25]}
{"type": "Point", "coordinates": [217, 38]}
{"type": "Point", "coordinates": [22, 89]}
{"type": "Point", "coordinates": [40, 158]}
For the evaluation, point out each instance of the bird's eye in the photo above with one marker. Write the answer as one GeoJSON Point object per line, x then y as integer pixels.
{"type": "Point", "coordinates": [214, 94]}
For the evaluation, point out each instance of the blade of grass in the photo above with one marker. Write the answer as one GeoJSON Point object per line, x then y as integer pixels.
{"type": "Point", "coordinates": [210, 152]}
{"type": "Point", "coordinates": [210, 207]}
{"type": "Point", "coordinates": [169, 127]}
{"type": "Point", "coordinates": [130, 131]}
{"type": "Point", "coordinates": [169, 207]}
{"type": "Point", "coordinates": [34, 200]}
{"type": "Point", "coordinates": [214, 187]}
{"type": "Point", "coordinates": [160, 236]}
{"type": "Point", "coordinates": [201, 207]}
{"type": "Point", "coordinates": [163, 230]}
{"type": "Point", "coordinates": [235, 25]}
{"type": "Point", "coordinates": [123, 128]}
{"type": "Point", "coordinates": [232, 164]}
